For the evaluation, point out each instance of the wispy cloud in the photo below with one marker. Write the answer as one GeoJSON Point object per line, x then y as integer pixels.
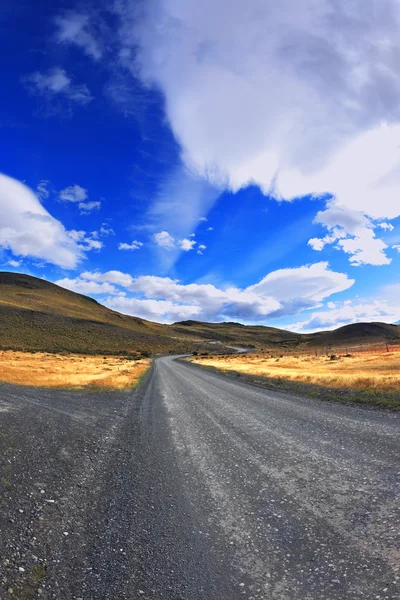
{"type": "Point", "coordinates": [87, 207]}
{"type": "Point", "coordinates": [76, 29]}
{"type": "Point", "coordinates": [42, 189]}
{"type": "Point", "coordinates": [55, 82]}
{"type": "Point", "coordinates": [79, 195]}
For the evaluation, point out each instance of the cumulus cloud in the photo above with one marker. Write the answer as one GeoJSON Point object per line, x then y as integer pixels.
{"type": "Point", "coordinates": [353, 233]}
{"type": "Point", "coordinates": [84, 241]}
{"type": "Point", "coordinates": [73, 193]}
{"type": "Point", "coordinates": [135, 245]}
{"type": "Point", "coordinates": [75, 28]}
{"type": "Point", "coordinates": [298, 98]}
{"type": "Point", "coordinates": [283, 292]}
{"type": "Point", "coordinates": [201, 248]}
{"type": "Point", "coordinates": [56, 82]}
{"type": "Point", "coordinates": [164, 239]}
{"type": "Point", "coordinates": [187, 245]}
{"type": "Point", "coordinates": [27, 229]}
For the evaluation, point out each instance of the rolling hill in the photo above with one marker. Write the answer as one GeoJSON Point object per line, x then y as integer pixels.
{"type": "Point", "coordinates": [38, 315]}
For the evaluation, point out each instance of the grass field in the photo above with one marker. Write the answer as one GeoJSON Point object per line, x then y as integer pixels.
{"type": "Point", "coordinates": [72, 371]}
{"type": "Point", "coordinates": [368, 370]}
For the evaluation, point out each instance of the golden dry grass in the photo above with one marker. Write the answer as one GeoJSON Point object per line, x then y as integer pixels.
{"type": "Point", "coordinates": [367, 370]}
{"type": "Point", "coordinates": [72, 371]}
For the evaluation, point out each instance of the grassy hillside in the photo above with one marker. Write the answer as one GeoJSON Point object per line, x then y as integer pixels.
{"type": "Point", "coordinates": [38, 315]}
{"type": "Point", "coordinates": [240, 335]}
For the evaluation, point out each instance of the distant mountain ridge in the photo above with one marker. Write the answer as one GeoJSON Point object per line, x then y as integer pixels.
{"type": "Point", "coordinates": [38, 315]}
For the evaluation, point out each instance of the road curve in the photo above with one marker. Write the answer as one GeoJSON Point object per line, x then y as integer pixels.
{"type": "Point", "coordinates": [198, 487]}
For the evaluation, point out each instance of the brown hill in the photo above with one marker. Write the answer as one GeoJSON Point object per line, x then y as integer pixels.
{"type": "Point", "coordinates": [359, 334]}
{"type": "Point", "coordinates": [38, 315]}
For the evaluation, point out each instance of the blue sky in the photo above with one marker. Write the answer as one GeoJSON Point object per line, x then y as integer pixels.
{"type": "Point", "coordinates": [175, 164]}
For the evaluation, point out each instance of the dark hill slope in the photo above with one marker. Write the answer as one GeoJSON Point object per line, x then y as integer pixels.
{"type": "Point", "coordinates": [359, 334]}
{"type": "Point", "coordinates": [36, 314]}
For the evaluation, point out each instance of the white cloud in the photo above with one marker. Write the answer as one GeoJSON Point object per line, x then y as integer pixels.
{"type": "Point", "coordinates": [210, 228]}
{"type": "Point", "coordinates": [135, 245]}
{"type": "Point", "coordinates": [84, 241]}
{"type": "Point", "coordinates": [354, 234]}
{"type": "Point", "coordinates": [283, 292]}
{"type": "Point", "coordinates": [350, 312]}
{"type": "Point", "coordinates": [386, 226]}
{"type": "Point", "coordinates": [329, 76]}
{"type": "Point", "coordinates": [73, 193]}
{"type": "Point", "coordinates": [122, 279]}
{"type": "Point", "coordinates": [302, 287]}
{"type": "Point", "coordinates": [156, 310]}
{"type": "Point", "coordinates": [164, 239]}
{"type": "Point", "coordinates": [14, 263]}
{"type": "Point", "coordinates": [87, 207]}
{"type": "Point", "coordinates": [365, 249]}
{"type": "Point", "coordinates": [78, 194]}
{"type": "Point", "coordinates": [106, 230]}
{"type": "Point", "coordinates": [56, 82]}
{"type": "Point", "coordinates": [74, 28]}
{"type": "Point", "coordinates": [201, 248]}
{"type": "Point", "coordinates": [318, 244]}
{"type": "Point", "coordinates": [396, 247]}
{"type": "Point", "coordinates": [86, 287]}
{"type": "Point", "coordinates": [27, 229]}
{"type": "Point", "coordinates": [187, 245]}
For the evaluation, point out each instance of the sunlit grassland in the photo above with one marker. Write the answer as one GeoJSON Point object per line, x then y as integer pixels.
{"type": "Point", "coordinates": [365, 370]}
{"type": "Point", "coordinates": [72, 371]}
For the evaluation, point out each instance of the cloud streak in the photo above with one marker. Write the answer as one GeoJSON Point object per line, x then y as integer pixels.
{"type": "Point", "coordinates": [56, 82]}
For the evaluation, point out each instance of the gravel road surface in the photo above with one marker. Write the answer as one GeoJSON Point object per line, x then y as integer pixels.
{"type": "Point", "coordinates": [196, 487]}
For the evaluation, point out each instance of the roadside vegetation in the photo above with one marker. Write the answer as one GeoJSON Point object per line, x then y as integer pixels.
{"type": "Point", "coordinates": [72, 371]}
